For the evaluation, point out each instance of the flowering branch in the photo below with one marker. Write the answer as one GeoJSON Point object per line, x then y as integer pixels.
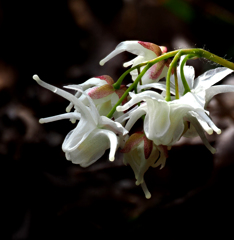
{"type": "Point", "coordinates": [106, 110]}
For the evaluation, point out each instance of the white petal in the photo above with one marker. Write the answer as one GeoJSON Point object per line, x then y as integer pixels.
{"type": "Point", "coordinates": [176, 127]}
{"type": "Point", "coordinates": [111, 125]}
{"type": "Point", "coordinates": [211, 77]}
{"type": "Point", "coordinates": [138, 98]}
{"type": "Point", "coordinates": [77, 136]}
{"type": "Point", "coordinates": [131, 46]}
{"type": "Point", "coordinates": [214, 90]}
{"type": "Point", "coordinates": [134, 62]}
{"type": "Point", "coordinates": [113, 142]}
{"type": "Point", "coordinates": [189, 74]}
{"type": "Point", "coordinates": [125, 116]}
{"type": "Point", "coordinates": [135, 115]}
{"type": "Point", "coordinates": [70, 106]}
{"type": "Point", "coordinates": [209, 121]}
{"type": "Point", "coordinates": [160, 86]}
{"type": "Point", "coordinates": [199, 130]}
{"type": "Point", "coordinates": [83, 109]}
{"type": "Point", "coordinates": [202, 122]}
{"type": "Point", "coordinates": [73, 115]}
{"type": "Point", "coordinates": [87, 84]}
{"type": "Point", "coordinates": [157, 119]}
{"type": "Point", "coordinates": [189, 99]}
{"type": "Point", "coordinates": [89, 150]}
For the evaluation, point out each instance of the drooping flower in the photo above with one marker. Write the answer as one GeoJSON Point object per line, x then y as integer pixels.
{"type": "Point", "coordinates": [165, 122]}
{"type": "Point", "coordinates": [92, 136]}
{"type": "Point", "coordinates": [202, 87]}
{"type": "Point", "coordinates": [141, 153]}
{"type": "Point", "coordinates": [145, 51]}
{"type": "Point", "coordinates": [202, 91]}
{"type": "Point", "coordinates": [101, 91]}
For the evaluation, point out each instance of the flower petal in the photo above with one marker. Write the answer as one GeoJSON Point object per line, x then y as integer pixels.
{"type": "Point", "coordinates": [133, 141]}
{"type": "Point", "coordinates": [160, 86]}
{"type": "Point", "coordinates": [214, 90]}
{"type": "Point", "coordinates": [95, 81]}
{"type": "Point", "coordinates": [157, 119]}
{"type": "Point", "coordinates": [211, 77]}
{"type": "Point", "coordinates": [113, 142]}
{"type": "Point", "coordinates": [135, 115]}
{"type": "Point", "coordinates": [73, 115]}
{"type": "Point", "coordinates": [138, 98]}
{"type": "Point", "coordinates": [134, 47]}
{"type": "Point", "coordinates": [209, 121]}
{"type": "Point", "coordinates": [83, 109]}
{"type": "Point", "coordinates": [121, 119]}
{"type": "Point", "coordinates": [93, 147]}
{"type": "Point", "coordinates": [75, 137]}
{"type": "Point", "coordinates": [200, 132]}
{"type": "Point", "coordinates": [155, 73]}
{"type": "Point", "coordinates": [201, 121]}
{"type": "Point", "coordinates": [189, 74]}
{"type": "Point", "coordinates": [101, 92]}
{"type": "Point", "coordinates": [116, 127]}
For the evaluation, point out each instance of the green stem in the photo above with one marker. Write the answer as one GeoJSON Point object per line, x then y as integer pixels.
{"type": "Point", "coordinates": [168, 82]}
{"type": "Point", "coordinates": [184, 81]}
{"type": "Point", "coordinates": [151, 62]}
{"type": "Point", "coordinates": [216, 59]}
{"type": "Point", "coordinates": [133, 86]}
{"type": "Point", "coordinates": [177, 94]}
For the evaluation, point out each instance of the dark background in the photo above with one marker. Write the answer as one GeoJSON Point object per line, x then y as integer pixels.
{"type": "Point", "coordinates": [43, 196]}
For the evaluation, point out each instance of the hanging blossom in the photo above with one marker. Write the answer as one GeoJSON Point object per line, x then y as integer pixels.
{"type": "Point", "coordinates": [165, 122]}
{"type": "Point", "coordinates": [201, 87]}
{"type": "Point", "coordinates": [145, 51]}
{"type": "Point", "coordinates": [141, 153]}
{"type": "Point", "coordinates": [100, 89]}
{"type": "Point", "coordinates": [201, 92]}
{"type": "Point", "coordinates": [92, 136]}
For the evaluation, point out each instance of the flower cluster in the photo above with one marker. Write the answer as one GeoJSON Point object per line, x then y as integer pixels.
{"type": "Point", "coordinates": [164, 96]}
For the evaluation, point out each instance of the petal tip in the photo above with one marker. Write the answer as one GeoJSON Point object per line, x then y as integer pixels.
{"type": "Point", "coordinates": [210, 131]}
{"type": "Point", "coordinates": [41, 121]}
{"type": "Point", "coordinates": [148, 196]}
{"type": "Point", "coordinates": [213, 150]}
{"type": "Point", "coordinates": [119, 109]}
{"type": "Point", "coordinates": [68, 109]}
{"type": "Point", "coordinates": [101, 62]}
{"type": "Point", "coordinates": [36, 78]}
{"type": "Point", "coordinates": [218, 131]}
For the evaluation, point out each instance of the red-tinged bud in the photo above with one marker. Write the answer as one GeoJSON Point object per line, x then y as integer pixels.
{"type": "Point", "coordinates": [152, 47]}
{"type": "Point", "coordinates": [101, 92]}
{"type": "Point", "coordinates": [106, 78]}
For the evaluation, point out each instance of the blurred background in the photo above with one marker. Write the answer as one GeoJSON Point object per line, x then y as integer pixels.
{"type": "Point", "coordinates": [43, 196]}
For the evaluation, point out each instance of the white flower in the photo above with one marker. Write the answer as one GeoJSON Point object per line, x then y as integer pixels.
{"type": "Point", "coordinates": [141, 153]}
{"type": "Point", "coordinates": [93, 134]}
{"type": "Point", "coordinates": [202, 91]}
{"type": "Point", "coordinates": [202, 87]}
{"type": "Point", "coordinates": [102, 92]}
{"type": "Point", "coordinates": [145, 51]}
{"type": "Point", "coordinates": [164, 121]}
